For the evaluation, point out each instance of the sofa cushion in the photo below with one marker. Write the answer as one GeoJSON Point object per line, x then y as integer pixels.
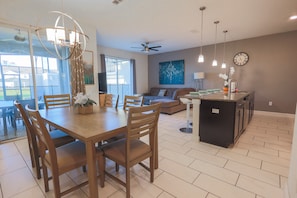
{"type": "Point", "coordinates": [162, 92]}
{"type": "Point", "coordinates": [166, 102]}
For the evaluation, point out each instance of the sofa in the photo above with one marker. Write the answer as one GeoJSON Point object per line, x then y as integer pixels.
{"type": "Point", "coordinates": [168, 97]}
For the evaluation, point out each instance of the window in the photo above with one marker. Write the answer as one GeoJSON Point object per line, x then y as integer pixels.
{"type": "Point", "coordinates": [119, 77]}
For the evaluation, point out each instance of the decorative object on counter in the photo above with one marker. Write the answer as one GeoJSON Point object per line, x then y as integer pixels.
{"type": "Point", "coordinates": [227, 78]}
{"type": "Point", "coordinates": [84, 103]}
{"type": "Point", "coordinates": [199, 76]}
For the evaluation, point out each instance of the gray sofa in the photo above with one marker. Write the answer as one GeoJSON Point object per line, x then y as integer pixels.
{"type": "Point", "coordinates": [168, 97]}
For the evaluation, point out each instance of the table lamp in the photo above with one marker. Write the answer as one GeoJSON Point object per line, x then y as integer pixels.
{"type": "Point", "coordinates": [199, 76]}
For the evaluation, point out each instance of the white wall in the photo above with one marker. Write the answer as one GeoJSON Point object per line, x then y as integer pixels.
{"type": "Point", "coordinates": [141, 62]}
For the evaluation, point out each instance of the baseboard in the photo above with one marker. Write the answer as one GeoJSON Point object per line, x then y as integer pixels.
{"type": "Point", "coordinates": [275, 114]}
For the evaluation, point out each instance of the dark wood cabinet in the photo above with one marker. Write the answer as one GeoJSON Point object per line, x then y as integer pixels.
{"type": "Point", "coordinates": [222, 122]}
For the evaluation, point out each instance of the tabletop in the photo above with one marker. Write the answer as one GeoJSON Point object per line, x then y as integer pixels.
{"type": "Point", "coordinates": [86, 127]}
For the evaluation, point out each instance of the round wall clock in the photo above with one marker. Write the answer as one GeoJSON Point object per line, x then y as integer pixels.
{"type": "Point", "coordinates": [241, 58]}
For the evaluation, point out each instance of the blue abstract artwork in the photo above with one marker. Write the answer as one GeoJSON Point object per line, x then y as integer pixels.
{"type": "Point", "coordinates": [171, 72]}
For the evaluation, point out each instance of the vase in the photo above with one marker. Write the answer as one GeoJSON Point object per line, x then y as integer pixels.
{"type": "Point", "coordinates": [225, 89]}
{"type": "Point", "coordinates": [85, 109]}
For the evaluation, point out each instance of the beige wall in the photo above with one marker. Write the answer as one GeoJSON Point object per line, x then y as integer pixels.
{"type": "Point", "coordinates": [271, 70]}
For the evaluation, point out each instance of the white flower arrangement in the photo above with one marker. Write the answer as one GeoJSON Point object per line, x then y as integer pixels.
{"type": "Point", "coordinates": [227, 77]}
{"type": "Point", "coordinates": [83, 100]}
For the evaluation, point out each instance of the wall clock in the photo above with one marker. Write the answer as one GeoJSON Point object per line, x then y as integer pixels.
{"type": "Point", "coordinates": [241, 58]}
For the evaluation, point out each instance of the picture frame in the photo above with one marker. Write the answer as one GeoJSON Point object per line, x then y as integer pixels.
{"type": "Point", "coordinates": [172, 72]}
{"type": "Point", "coordinates": [88, 64]}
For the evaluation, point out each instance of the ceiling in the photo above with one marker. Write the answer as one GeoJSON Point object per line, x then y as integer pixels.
{"type": "Point", "coordinates": [173, 24]}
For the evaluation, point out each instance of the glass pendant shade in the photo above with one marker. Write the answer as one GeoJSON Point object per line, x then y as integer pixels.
{"type": "Point", "coordinates": [201, 58]}
{"type": "Point", "coordinates": [214, 63]}
{"type": "Point", "coordinates": [224, 65]}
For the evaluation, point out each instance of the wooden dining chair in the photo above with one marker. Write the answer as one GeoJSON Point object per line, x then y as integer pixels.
{"type": "Point", "coordinates": [54, 101]}
{"type": "Point", "coordinates": [111, 100]}
{"type": "Point", "coordinates": [62, 159]}
{"type": "Point", "coordinates": [127, 152]}
{"type": "Point", "coordinates": [58, 137]}
{"type": "Point", "coordinates": [132, 101]}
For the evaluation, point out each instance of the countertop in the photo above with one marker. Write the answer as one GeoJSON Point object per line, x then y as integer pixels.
{"type": "Point", "coordinates": [231, 97]}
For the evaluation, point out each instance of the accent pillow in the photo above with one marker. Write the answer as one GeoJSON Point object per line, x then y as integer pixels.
{"type": "Point", "coordinates": [162, 92]}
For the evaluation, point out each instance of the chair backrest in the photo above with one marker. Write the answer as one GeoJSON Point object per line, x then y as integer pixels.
{"type": "Point", "coordinates": [142, 121]}
{"type": "Point", "coordinates": [46, 144]}
{"type": "Point", "coordinates": [132, 101]}
{"type": "Point", "coordinates": [31, 136]}
{"type": "Point", "coordinates": [54, 101]}
{"type": "Point", "coordinates": [23, 103]}
{"type": "Point", "coordinates": [111, 100]}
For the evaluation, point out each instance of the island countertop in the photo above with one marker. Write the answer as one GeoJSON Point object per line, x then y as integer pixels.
{"type": "Point", "coordinates": [231, 97]}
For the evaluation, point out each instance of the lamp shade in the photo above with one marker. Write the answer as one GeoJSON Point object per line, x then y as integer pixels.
{"type": "Point", "coordinates": [199, 75]}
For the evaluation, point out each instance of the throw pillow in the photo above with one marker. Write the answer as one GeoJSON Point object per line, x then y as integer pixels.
{"type": "Point", "coordinates": [162, 92]}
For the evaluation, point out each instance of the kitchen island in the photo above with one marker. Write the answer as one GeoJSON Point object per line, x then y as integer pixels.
{"type": "Point", "coordinates": [221, 118]}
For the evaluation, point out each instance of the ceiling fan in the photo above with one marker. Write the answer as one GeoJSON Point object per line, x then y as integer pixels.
{"type": "Point", "coordinates": [146, 48]}
{"type": "Point", "coordinates": [17, 37]}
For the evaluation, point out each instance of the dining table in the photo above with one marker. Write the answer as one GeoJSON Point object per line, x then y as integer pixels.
{"type": "Point", "coordinates": [102, 124]}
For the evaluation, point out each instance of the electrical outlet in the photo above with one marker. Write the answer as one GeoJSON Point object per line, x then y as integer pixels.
{"type": "Point", "coordinates": [270, 103]}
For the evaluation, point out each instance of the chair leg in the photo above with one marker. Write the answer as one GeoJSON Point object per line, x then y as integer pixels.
{"type": "Point", "coordinates": [127, 182]}
{"type": "Point", "coordinates": [56, 183]}
{"type": "Point", "coordinates": [101, 167]}
{"type": "Point", "coordinates": [152, 167]}
{"type": "Point", "coordinates": [45, 177]}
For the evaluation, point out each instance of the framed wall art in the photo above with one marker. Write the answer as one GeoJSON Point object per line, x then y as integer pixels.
{"type": "Point", "coordinates": [88, 61]}
{"type": "Point", "coordinates": [172, 72]}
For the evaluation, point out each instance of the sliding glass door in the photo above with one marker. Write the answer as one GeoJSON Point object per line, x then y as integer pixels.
{"type": "Point", "coordinates": [26, 78]}
{"type": "Point", "coordinates": [119, 77]}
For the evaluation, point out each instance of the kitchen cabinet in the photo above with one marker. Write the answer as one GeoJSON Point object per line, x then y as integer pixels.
{"type": "Point", "coordinates": [223, 119]}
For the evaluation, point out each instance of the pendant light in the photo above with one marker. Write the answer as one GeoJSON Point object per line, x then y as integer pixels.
{"type": "Point", "coordinates": [215, 62]}
{"type": "Point", "coordinates": [224, 65]}
{"type": "Point", "coordinates": [201, 57]}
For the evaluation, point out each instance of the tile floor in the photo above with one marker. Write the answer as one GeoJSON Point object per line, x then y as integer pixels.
{"type": "Point", "coordinates": [256, 167]}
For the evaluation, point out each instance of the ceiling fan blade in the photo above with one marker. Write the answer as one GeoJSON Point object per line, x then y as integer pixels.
{"type": "Point", "coordinates": [153, 49]}
{"type": "Point", "coordinates": [143, 45]}
{"type": "Point", "coordinates": [156, 47]}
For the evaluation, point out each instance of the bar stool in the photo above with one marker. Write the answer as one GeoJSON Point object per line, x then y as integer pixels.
{"type": "Point", "coordinates": [188, 102]}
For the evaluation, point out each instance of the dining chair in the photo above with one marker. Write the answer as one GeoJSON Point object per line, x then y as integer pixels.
{"type": "Point", "coordinates": [127, 152]}
{"type": "Point", "coordinates": [58, 137]}
{"type": "Point", "coordinates": [61, 159]}
{"type": "Point", "coordinates": [111, 100]}
{"type": "Point", "coordinates": [132, 101]}
{"type": "Point", "coordinates": [54, 101]}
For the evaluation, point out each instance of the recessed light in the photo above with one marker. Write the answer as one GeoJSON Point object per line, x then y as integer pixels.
{"type": "Point", "coordinates": [294, 17]}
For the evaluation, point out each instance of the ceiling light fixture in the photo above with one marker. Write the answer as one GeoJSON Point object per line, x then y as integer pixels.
{"type": "Point", "coordinates": [201, 57]}
{"type": "Point", "coordinates": [64, 35]}
{"type": "Point", "coordinates": [116, 2]}
{"type": "Point", "coordinates": [215, 62]}
{"type": "Point", "coordinates": [224, 65]}
{"type": "Point", "coordinates": [294, 17]}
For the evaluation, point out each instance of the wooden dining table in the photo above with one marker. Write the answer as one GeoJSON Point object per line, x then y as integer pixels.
{"type": "Point", "coordinates": [92, 128]}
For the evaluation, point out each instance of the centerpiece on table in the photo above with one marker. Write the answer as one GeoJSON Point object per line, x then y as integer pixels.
{"type": "Point", "coordinates": [227, 78]}
{"type": "Point", "coordinates": [84, 103]}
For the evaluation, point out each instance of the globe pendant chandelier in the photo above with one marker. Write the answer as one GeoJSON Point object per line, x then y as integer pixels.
{"type": "Point", "coordinates": [63, 37]}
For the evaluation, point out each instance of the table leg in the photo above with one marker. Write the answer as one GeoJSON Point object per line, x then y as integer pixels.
{"type": "Point", "coordinates": [4, 121]}
{"type": "Point", "coordinates": [92, 170]}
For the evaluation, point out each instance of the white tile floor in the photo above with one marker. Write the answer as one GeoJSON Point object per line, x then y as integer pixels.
{"type": "Point", "coordinates": [257, 166]}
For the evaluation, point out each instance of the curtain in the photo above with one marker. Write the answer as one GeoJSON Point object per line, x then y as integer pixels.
{"type": "Point", "coordinates": [77, 72]}
{"type": "Point", "coordinates": [103, 64]}
{"type": "Point", "coordinates": [132, 63]}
